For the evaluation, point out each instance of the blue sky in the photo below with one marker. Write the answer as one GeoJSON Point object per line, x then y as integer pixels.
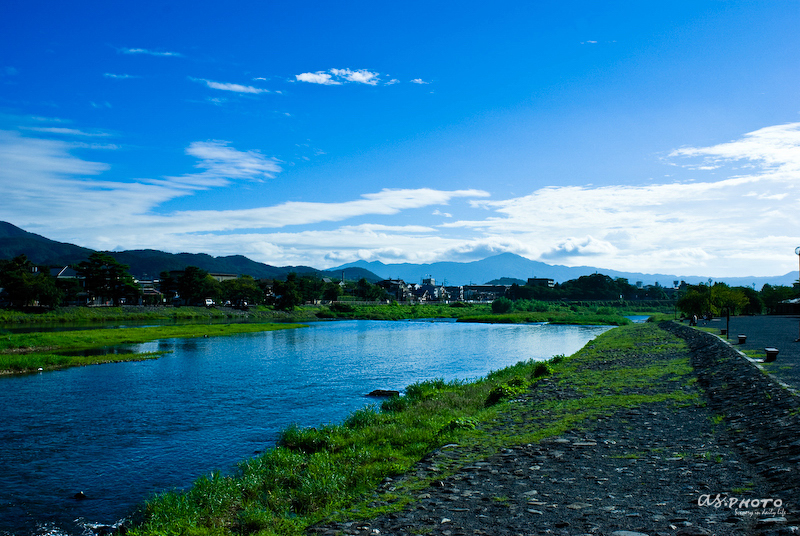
{"type": "Point", "coordinates": [642, 136]}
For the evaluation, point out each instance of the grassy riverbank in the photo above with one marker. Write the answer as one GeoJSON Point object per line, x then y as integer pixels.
{"type": "Point", "coordinates": [128, 313]}
{"type": "Point", "coordinates": [27, 352]}
{"type": "Point", "coordinates": [554, 312]}
{"type": "Point", "coordinates": [332, 472]}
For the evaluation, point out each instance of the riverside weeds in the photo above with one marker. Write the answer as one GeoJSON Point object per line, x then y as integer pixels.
{"type": "Point", "coordinates": [27, 352]}
{"type": "Point", "coordinates": [332, 472]}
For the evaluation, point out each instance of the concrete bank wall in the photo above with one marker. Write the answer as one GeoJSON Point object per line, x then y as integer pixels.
{"type": "Point", "coordinates": [762, 416]}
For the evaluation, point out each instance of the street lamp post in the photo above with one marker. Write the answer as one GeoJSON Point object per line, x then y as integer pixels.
{"type": "Point", "coordinates": [797, 252]}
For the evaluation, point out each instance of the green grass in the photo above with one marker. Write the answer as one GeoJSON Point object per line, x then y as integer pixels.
{"type": "Point", "coordinates": [557, 317]}
{"type": "Point", "coordinates": [331, 472]}
{"type": "Point", "coordinates": [26, 352]}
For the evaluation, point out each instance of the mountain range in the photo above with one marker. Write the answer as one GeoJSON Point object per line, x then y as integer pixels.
{"type": "Point", "coordinates": [148, 263]}
{"type": "Point", "coordinates": [509, 265]}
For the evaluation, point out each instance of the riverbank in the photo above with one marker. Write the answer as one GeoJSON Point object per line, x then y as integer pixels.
{"type": "Point", "coordinates": [630, 433]}
{"type": "Point", "coordinates": [50, 350]}
{"type": "Point", "coordinates": [553, 312]}
{"type": "Point", "coordinates": [700, 450]}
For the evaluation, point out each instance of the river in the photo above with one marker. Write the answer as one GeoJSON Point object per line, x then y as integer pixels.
{"type": "Point", "coordinates": [121, 432]}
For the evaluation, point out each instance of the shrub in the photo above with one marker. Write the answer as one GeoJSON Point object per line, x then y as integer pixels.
{"type": "Point", "coordinates": [502, 306]}
{"type": "Point", "coordinates": [541, 369]}
{"type": "Point", "coordinates": [506, 390]}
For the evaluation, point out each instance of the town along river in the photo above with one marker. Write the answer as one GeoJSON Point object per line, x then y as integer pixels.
{"type": "Point", "coordinates": [121, 432]}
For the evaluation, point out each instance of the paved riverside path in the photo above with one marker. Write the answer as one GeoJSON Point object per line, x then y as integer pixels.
{"type": "Point", "coordinates": [777, 331]}
{"type": "Point", "coordinates": [668, 467]}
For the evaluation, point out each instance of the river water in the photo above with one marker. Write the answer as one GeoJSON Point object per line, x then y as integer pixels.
{"type": "Point", "coordinates": [124, 431]}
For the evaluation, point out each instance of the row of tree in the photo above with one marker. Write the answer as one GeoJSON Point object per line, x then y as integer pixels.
{"type": "Point", "coordinates": [720, 298]}
{"type": "Point", "coordinates": [101, 276]}
{"type": "Point", "coordinates": [592, 287]}
{"type": "Point", "coordinates": [700, 299]}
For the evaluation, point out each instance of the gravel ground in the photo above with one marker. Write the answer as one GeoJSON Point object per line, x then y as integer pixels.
{"type": "Point", "coordinates": [658, 469]}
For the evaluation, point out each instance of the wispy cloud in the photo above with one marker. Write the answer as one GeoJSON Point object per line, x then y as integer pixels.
{"type": "Point", "coordinates": [777, 148]}
{"type": "Point", "coordinates": [419, 81]}
{"type": "Point", "coordinates": [336, 77]}
{"type": "Point", "coordinates": [222, 164]}
{"type": "Point", "coordinates": [149, 52]}
{"type": "Point", "coordinates": [120, 76]}
{"type": "Point", "coordinates": [66, 131]}
{"type": "Point", "coordinates": [224, 86]}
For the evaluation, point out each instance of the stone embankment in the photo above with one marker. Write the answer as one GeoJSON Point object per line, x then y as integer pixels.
{"type": "Point", "coordinates": [724, 464]}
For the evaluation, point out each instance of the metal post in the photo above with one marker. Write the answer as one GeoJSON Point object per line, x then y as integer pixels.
{"type": "Point", "coordinates": [797, 252]}
{"type": "Point", "coordinates": [728, 324]}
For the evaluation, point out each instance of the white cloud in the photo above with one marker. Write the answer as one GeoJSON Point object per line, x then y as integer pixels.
{"type": "Point", "coordinates": [419, 81]}
{"type": "Point", "coordinates": [587, 246]}
{"type": "Point", "coordinates": [224, 86]}
{"type": "Point", "coordinates": [775, 148]}
{"type": "Point", "coordinates": [336, 77]}
{"type": "Point", "coordinates": [319, 77]}
{"type": "Point", "coordinates": [120, 76]}
{"type": "Point", "coordinates": [149, 52]}
{"type": "Point", "coordinates": [361, 76]}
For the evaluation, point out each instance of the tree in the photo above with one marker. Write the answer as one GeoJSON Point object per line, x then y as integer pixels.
{"type": "Point", "coordinates": [755, 305]}
{"type": "Point", "coordinates": [287, 294]}
{"type": "Point", "coordinates": [694, 302]}
{"type": "Point", "coordinates": [168, 285]}
{"type": "Point", "coordinates": [194, 285]}
{"type": "Point", "coordinates": [25, 286]}
{"type": "Point", "coordinates": [369, 292]}
{"type": "Point", "coordinates": [242, 289]}
{"type": "Point", "coordinates": [106, 278]}
{"type": "Point", "coordinates": [773, 295]}
{"type": "Point", "coordinates": [331, 291]}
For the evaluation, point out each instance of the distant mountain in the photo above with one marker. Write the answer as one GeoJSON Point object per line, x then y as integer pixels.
{"type": "Point", "coordinates": [40, 250]}
{"type": "Point", "coordinates": [506, 267]}
{"type": "Point", "coordinates": [509, 265]}
{"type": "Point", "coordinates": [149, 263]}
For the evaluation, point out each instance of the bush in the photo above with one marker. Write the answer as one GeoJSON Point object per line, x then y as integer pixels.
{"type": "Point", "coordinates": [541, 369]}
{"type": "Point", "coordinates": [502, 306]}
{"type": "Point", "coordinates": [339, 307]}
{"type": "Point", "coordinates": [506, 390]}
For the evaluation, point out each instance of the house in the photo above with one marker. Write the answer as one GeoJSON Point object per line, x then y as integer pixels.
{"type": "Point", "coordinates": [396, 288]}
{"type": "Point", "coordinates": [541, 282]}
{"type": "Point", "coordinates": [484, 293]}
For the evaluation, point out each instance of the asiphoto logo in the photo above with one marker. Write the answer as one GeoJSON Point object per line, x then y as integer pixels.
{"type": "Point", "coordinates": [743, 507]}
